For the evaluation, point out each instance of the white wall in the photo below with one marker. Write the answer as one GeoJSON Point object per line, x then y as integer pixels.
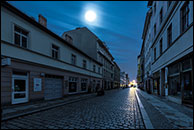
{"type": "Point", "coordinates": [178, 49]}
{"type": "Point", "coordinates": [41, 42]}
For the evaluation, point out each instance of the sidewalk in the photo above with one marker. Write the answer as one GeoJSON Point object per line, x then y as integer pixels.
{"type": "Point", "coordinates": [10, 112]}
{"type": "Point", "coordinates": [164, 114]}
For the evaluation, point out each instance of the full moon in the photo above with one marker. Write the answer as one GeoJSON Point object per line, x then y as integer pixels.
{"type": "Point", "coordinates": [90, 16]}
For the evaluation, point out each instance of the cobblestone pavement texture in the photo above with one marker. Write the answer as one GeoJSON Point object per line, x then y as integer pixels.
{"type": "Point", "coordinates": [164, 114]}
{"type": "Point", "coordinates": [117, 109]}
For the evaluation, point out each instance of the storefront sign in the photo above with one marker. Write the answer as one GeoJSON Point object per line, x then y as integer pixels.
{"type": "Point", "coordinates": [37, 84]}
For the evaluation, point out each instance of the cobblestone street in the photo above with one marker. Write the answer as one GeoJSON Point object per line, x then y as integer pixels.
{"type": "Point", "coordinates": [117, 109]}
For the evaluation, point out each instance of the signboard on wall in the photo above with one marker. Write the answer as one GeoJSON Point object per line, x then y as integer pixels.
{"type": "Point", "coordinates": [37, 84]}
{"type": "Point", "coordinates": [5, 61]}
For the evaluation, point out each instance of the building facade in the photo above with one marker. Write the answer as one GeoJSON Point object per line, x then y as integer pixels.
{"type": "Point", "coordinates": [168, 50]}
{"type": "Point", "coordinates": [95, 48]}
{"type": "Point", "coordinates": [138, 70]}
{"type": "Point", "coordinates": [39, 65]}
{"type": "Point", "coordinates": [124, 79]}
{"type": "Point", "coordinates": [116, 76]}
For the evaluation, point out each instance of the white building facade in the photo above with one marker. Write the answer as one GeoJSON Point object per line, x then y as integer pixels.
{"type": "Point", "coordinates": [170, 50]}
{"type": "Point", "coordinates": [39, 65]}
{"type": "Point", "coordinates": [88, 42]}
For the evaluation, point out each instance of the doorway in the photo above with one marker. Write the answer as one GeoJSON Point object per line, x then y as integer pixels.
{"type": "Point", "coordinates": [19, 89]}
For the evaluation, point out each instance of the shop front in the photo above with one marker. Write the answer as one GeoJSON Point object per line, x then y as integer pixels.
{"type": "Point", "coordinates": [181, 81]}
{"type": "Point", "coordinates": [156, 83]}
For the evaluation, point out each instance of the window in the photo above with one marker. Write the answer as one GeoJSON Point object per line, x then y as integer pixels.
{"type": "Point", "coordinates": [99, 70]}
{"type": "Point", "coordinates": [161, 15]}
{"type": "Point", "coordinates": [83, 84]}
{"type": "Point", "coordinates": [94, 68]}
{"type": "Point", "coordinates": [111, 67]}
{"type": "Point", "coordinates": [184, 17]}
{"type": "Point", "coordinates": [55, 51]}
{"type": "Point", "coordinates": [20, 37]}
{"type": "Point", "coordinates": [169, 35]}
{"type": "Point", "coordinates": [169, 3]}
{"type": "Point", "coordinates": [154, 54]}
{"type": "Point", "coordinates": [73, 59]}
{"type": "Point", "coordinates": [73, 84]}
{"type": "Point", "coordinates": [84, 64]}
{"type": "Point", "coordinates": [161, 47]}
{"type": "Point", "coordinates": [154, 8]}
{"type": "Point", "coordinates": [154, 29]}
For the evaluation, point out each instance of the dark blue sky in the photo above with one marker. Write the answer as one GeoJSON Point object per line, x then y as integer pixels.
{"type": "Point", "coordinates": [118, 23]}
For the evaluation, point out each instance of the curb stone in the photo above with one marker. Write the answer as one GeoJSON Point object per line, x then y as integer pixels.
{"type": "Point", "coordinates": [146, 119]}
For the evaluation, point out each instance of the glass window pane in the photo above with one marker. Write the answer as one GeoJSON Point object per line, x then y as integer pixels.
{"type": "Point", "coordinates": [24, 42]}
{"type": "Point", "coordinates": [83, 86]}
{"type": "Point", "coordinates": [19, 85]}
{"type": "Point", "coordinates": [175, 88]}
{"type": "Point", "coordinates": [186, 64]}
{"type": "Point", "coordinates": [72, 86]}
{"type": "Point", "coordinates": [24, 32]}
{"type": "Point", "coordinates": [17, 29]}
{"type": "Point", "coordinates": [17, 39]}
{"type": "Point", "coordinates": [174, 69]}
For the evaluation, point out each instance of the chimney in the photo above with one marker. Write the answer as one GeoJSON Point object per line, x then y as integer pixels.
{"type": "Point", "coordinates": [42, 20]}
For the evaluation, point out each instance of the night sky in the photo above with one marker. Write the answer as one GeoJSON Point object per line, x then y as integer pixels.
{"type": "Point", "coordinates": [118, 23]}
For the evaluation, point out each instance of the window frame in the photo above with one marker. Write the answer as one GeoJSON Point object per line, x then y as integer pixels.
{"type": "Point", "coordinates": [169, 35]}
{"type": "Point", "coordinates": [21, 35]}
{"type": "Point", "coordinates": [161, 46]}
{"type": "Point", "coordinates": [73, 57]}
{"type": "Point", "coordinates": [186, 10]}
{"type": "Point", "coordinates": [161, 15]}
{"type": "Point", "coordinates": [154, 30]}
{"type": "Point", "coordinates": [56, 51]}
{"type": "Point", "coordinates": [84, 64]}
{"type": "Point", "coordinates": [94, 68]}
{"type": "Point", "coordinates": [155, 54]}
{"type": "Point", "coordinates": [155, 8]}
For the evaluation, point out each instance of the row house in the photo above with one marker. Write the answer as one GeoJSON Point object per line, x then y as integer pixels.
{"type": "Point", "coordinates": [116, 76]}
{"type": "Point", "coordinates": [138, 70]}
{"type": "Point", "coordinates": [124, 79]}
{"type": "Point", "coordinates": [168, 50]}
{"type": "Point", "coordinates": [37, 64]}
{"type": "Point", "coordinates": [88, 42]}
